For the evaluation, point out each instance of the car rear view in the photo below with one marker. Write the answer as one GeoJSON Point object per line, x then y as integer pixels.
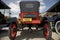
{"type": "Point", "coordinates": [30, 12]}
{"type": "Point", "coordinates": [29, 17]}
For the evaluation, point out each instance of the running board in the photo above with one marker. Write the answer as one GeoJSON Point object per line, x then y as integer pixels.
{"type": "Point", "coordinates": [3, 25]}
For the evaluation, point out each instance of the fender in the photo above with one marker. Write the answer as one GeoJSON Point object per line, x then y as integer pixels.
{"type": "Point", "coordinates": [11, 20]}
{"type": "Point", "coordinates": [56, 18]}
{"type": "Point", "coordinates": [48, 19]}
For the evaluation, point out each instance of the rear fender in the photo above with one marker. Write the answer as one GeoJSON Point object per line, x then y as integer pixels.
{"type": "Point", "coordinates": [48, 19]}
{"type": "Point", "coordinates": [11, 20]}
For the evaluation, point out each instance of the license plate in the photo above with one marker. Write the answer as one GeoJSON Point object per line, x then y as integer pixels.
{"type": "Point", "coordinates": [27, 19]}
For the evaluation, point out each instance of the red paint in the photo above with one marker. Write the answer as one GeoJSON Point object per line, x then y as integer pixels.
{"type": "Point", "coordinates": [36, 21]}
{"type": "Point", "coordinates": [13, 33]}
{"type": "Point", "coordinates": [46, 33]}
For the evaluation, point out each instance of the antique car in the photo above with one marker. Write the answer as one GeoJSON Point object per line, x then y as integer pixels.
{"type": "Point", "coordinates": [29, 17]}
{"type": "Point", "coordinates": [54, 17]}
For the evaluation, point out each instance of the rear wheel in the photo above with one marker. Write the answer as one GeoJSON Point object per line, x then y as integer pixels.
{"type": "Point", "coordinates": [47, 31]}
{"type": "Point", "coordinates": [12, 31]}
{"type": "Point", "coordinates": [57, 27]}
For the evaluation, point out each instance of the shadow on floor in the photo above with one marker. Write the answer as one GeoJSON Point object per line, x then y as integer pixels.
{"type": "Point", "coordinates": [26, 35]}
{"type": "Point", "coordinates": [3, 33]}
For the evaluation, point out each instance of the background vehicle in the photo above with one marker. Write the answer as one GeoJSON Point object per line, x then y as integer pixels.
{"type": "Point", "coordinates": [30, 18]}
{"type": "Point", "coordinates": [5, 21]}
{"type": "Point", "coordinates": [54, 15]}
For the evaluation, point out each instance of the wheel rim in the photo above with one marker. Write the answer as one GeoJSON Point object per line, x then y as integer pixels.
{"type": "Point", "coordinates": [13, 32]}
{"type": "Point", "coordinates": [58, 27]}
{"type": "Point", "coordinates": [46, 31]}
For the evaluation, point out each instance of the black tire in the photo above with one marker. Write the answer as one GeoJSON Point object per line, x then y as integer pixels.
{"type": "Point", "coordinates": [12, 31]}
{"type": "Point", "coordinates": [47, 31]}
{"type": "Point", "coordinates": [57, 27]}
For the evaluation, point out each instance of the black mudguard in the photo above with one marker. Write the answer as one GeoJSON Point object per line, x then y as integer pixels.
{"type": "Point", "coordinates": [11, 20]}
{"type": "Point", "coordinates": [48, 19]}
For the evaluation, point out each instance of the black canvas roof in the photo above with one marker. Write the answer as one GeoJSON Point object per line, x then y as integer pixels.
{"type": "Point", "coordinates": [3, 5]}
{"type": "Point", "coordinates": [55, 7]}
{"type": "Point", "coordinates": [29, 6]}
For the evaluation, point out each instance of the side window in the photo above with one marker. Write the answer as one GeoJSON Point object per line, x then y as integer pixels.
{"type": "Point", "coordinates": [2, 11]}
{"type": "Point", "coordinates": [6, 12]}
